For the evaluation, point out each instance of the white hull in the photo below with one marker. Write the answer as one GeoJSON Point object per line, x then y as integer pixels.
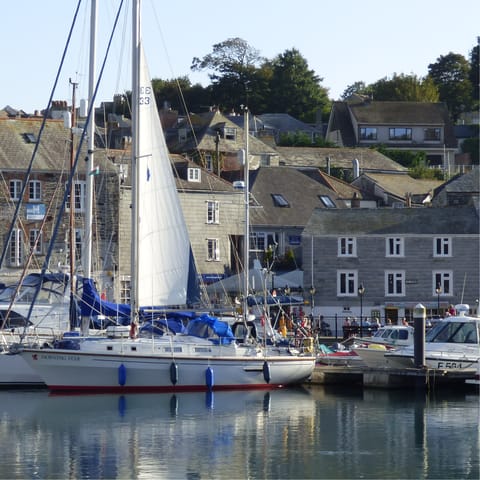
{"type": "Point", "coordinates": [143, 365]}
{"type": "Point", "coordinates": [372, 357]}
{"type": "Point", "coordinates": [437, 360]}
{"type": "Point", "coordinates": [15, 372]}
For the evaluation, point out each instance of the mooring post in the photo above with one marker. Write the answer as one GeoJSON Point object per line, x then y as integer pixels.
{"type": "Point", "coordinates": [419, 315]}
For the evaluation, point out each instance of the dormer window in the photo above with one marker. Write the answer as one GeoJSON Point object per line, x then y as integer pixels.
{"type": "Point", "coordinates": [229, 133]}
{"type": "Point", "coordinates": [194, 174]}
{"type": "Point", "coordinates": [279, 200]}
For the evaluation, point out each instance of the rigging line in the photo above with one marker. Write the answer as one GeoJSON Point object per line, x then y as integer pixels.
{"type": "Point", "coordinates": [37, 144]}
{"type": "Point", "coordinates": [30, 257]}
{"type": "Point", "coordinates": [180, 92]}
{"type": "Point", "coordinates": [91, 108]}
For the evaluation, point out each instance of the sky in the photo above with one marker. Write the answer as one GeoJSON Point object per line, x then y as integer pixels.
{"type": "Point", "coordinates": [343, 41]}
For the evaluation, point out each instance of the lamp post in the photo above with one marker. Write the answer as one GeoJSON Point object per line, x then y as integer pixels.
{"type": "Point", "coordinates": [361, 291]}
{"type": "Point", "coordinates": [438, 291]}
{"type": "Point", "coordinates": [312, 302]}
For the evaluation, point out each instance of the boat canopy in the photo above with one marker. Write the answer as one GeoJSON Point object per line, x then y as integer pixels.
{"type": "Point", "coordinates": [209, 327]}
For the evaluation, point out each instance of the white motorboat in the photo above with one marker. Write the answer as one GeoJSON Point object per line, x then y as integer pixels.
{"type": "Point", "coordinates": [372, 349]}
{"type": "Point", "coordinates": [452, 344]}
{"type": "Point", "coordinates": [50, 310]}
{"type": "Point", "coordinates": [204, 357]}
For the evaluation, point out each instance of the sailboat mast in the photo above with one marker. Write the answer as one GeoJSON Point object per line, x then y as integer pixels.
{"type": "Point", "coordinates": [136, 44]}
{"type": "Point", "coordinates": [87, 251]}
{"type": "Point", "coordinates": [246, 243]}
{"type": "Point", "coordinates": [71, 232]}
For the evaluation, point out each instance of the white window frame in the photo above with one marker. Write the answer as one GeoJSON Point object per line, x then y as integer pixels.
{"type": "Point", "coordinates": [79, 194]}
{"type": "Point", "coordinates": [230, 133]}
{"type": "Point", "coordinates": [394, 247]}
{"type": "Point", "coordinates": [36, 246]}
{"type": "Point", "coordinates": [213, 250]}
{"type": "Point", "coordinates": [15, 248]}
{"type": "Point", "coordinates": [213, 212]}
{"type": "Point", "coordinates": [15, 187]}
{"type": "Point", "coordinates": [347, 247]}
{"type": "Point", "coordinates": [193, 174]}
{"type": "Point", "coordinates": [442, 247]}
{"type": "Point", "coordinates": [34, 190]}
{"type": "Point", "coordinates": [125, 289]}
{"type": "Point", "coordinates": [348, 278]}
{"type": "Point", "coordinates": [397, 284]}
{"type": "Point", "coordinates": [445, 279]}
{"type": "Point", "coordinates": [265, 239]}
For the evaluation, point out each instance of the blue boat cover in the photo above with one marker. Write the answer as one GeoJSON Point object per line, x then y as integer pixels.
{"type": "Point", "coordinates": [91, 303]}
{"type": "Point", "coordinates": [206, 326]}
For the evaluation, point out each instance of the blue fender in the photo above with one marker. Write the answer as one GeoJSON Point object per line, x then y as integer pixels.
{"type": "Point", "coordinates": [174, 373]}
{"type": "Point", "coordinates": [209, 378]}
{"type": "Point", "coordinates": [266, 371]}
{"type": "Point", "coordinates": [122, 375]}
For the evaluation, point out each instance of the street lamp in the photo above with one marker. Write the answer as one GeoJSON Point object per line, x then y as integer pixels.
{"type": "Point", "coordinates": [438, 291]}
{"type": "Point", "coordinates": [361, 291]}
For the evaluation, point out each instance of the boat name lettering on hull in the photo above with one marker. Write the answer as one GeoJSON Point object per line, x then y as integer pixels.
{"type": "Point", "coordinates": [68, 358]}
{"type": "Point", "coordinates": [451, 365]}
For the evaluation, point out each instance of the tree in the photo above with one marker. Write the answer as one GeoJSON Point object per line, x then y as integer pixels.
{"type": "Point", "coordinates": [474, 74]}
{"type": "Point", "coordinates": [451, 75]}
{"type": "Point", "coordinates": [404, 88]}
{"type": "Point", "coordinates": [357, 88]}
{"type": "Point", "coordinates": [233, 63]}
{"type": "Point", "coordinates": [295, 89]}
{"type": "Point", "coordinates": [179, 94]}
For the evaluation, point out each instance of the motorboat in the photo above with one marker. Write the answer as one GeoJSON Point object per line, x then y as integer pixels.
{"type": "Point", "coordinates": [52, 302]}
{"type": "Point", "coordinates": [388, 338]}
{"type": "Point", "coordinates": [452, 344]}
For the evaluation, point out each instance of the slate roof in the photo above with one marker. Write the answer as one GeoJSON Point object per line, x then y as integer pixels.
{"type": "Point", "coordinates": [369, 160]}
{"type": "Point", "coordinates": [399, 221]}
{"type": "Point", "coordinates": [343, 189]}
{"type": "Point", "coordinates": [208, 181]}
{"type": "Point", "coordinates": [400, 185]}
{"type": "Point", "coordinates": [467, 183]}
{"type": "Point", "coordinates": [390, 113]}
{"type": "Point", "coordinates": [301, 193]}
{"type": "Point", "coordinates": [205, 127]}
{"type": "Point", "coordinates": [18, 139]}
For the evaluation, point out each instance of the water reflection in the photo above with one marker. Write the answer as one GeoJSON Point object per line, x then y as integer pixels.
{"type": "Point", "coordinates": [316, 433]}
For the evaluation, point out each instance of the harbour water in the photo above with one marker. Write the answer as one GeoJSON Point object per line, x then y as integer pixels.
{"type": "Point", "coordinates": [313, 433]}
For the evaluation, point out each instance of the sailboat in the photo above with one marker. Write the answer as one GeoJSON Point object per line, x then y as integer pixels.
{"type": "Point", "coordinates": [201, 356]}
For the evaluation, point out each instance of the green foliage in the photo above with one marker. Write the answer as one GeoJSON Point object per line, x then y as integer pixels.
{"type": "Point", "coordinates": [472, 146]}
{"type": "Point", "coordinates": [423, 172]}
{"type": "Point", "coordinates": [294, 88]}
{"type": "Point", "coordinates": [405, 158]}
{"type": "Point", "coordinates": [302, 139]}
{"type": "Point", "coordinates": [241, 76]}
{"type": "Point", "coordinates": [474, 75]}
{"type": "Point", "coordinates": [404, 88]}
{"type": "Point", "coordinates": [451, 75]}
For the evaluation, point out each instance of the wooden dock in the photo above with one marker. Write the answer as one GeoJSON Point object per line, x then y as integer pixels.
{"type": "Point", "coordinates": [390, 378]}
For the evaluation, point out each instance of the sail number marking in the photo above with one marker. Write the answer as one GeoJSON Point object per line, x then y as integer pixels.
{"type": "Point", "coordinates": [145, 95]}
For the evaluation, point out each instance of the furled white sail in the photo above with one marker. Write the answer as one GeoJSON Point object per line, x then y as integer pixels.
{"type": "Point", "coordinates": [163, 242]}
